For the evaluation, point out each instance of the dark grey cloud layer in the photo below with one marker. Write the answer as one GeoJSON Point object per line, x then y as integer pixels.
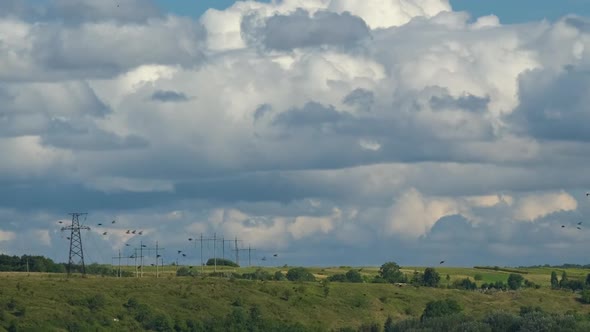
{"type": "Point", "coordinates": [300, 29]}
{"type": "Point", "coordinates": [554, 105]}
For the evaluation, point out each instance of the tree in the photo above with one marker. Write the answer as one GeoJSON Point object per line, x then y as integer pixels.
{"type": "Point", "coordinates": [555, 282]}
{"type": "Point", "coordinates": [563, 282]}
{"type": "Point", "coordinates": [390, 272]}
{"type": "Point", "coordinates": [515, 281]}
{"type": "Point", "coordinates": [354, 276]}
{"type": "Point", "coordinates": [431, 278]}
{"type": "Point", "coordinates": [300, 274]}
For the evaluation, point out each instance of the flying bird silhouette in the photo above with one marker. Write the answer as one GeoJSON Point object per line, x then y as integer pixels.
{"type": "Point", "coordinates": [275, 255]}
{"type": "Point", "coordinates": [562, 226]}
{"type": "Point", "coordinates": [99, 225]}
{"type": "Point", "coordinates": [105, 233]}
{"type": "Point", "coordinates": [112, 222]}
{"type": "Point", "coordinates": [441, 262]}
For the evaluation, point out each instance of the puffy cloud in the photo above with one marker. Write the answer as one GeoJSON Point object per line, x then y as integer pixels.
{"type": "Point", "coordinates": [533, 207]}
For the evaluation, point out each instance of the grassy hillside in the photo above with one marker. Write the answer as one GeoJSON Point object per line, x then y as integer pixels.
{"type": "Point", "coordinates": [53, 302]}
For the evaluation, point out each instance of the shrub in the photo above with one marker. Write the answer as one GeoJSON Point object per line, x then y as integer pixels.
{"type": "Point", "coordinates": [300, 274]}
{"type": "Point", "coordinates": [515, 281]}
{"type": "Point", "coordinates": [184, 272]}
{"type": "Point", "coordinates": [279, 276]}
{"type": "Point", "coordinates": [440, 308]}
{"type": "Point", "coordinates": [466, 284]}
{"type": "Point", "coordinates": [354, 276]}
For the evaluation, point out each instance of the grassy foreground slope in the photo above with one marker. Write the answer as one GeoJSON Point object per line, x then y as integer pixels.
{"type": "Point", "coordinates": [51, 302]}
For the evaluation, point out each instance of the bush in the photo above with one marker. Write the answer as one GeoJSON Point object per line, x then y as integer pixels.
{"type": "Point", "coordinates": [184, 272]}
{"type": "Point", "coordinates": [259, 274]}
{"type": "Point", "coordinates": [300, 274]}
{"type": "Point", "coordinates": [441, 308]}
{"type": "Point", "coordinates": [585, 296]}
{"type": "Point", "coordinates": [354, 276]}
{"type": "Point", "coordinates": [478, 277]}
{"type": "Point", "coordinates": [466, 284]}
{"type": "Point", "coordinates": [515, 281]}
{"type": "Point", "coordinates": [279, 276]}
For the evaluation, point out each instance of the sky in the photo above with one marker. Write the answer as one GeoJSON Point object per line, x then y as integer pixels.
{"type": "Point", "coordinates": [327, 132]}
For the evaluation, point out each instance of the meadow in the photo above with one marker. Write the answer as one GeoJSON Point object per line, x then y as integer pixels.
{"type": "Point", "coordinates": [53, 302]}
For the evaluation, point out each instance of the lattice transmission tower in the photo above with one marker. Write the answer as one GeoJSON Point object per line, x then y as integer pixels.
{"type": "Point", "coordinates": [76, 250]}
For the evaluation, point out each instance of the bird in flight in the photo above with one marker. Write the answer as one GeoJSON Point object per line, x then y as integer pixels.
{"type": "Point", "coordinates": [441, 262]}
{"type": "Point", "coordinates": [99, 224]}
{"type": "Point", "coordinates": [580, 223]}
{"type": "Point", "coordinates": [112, 222]}
{"type": "Point", "coordinates": [562, 226]}
{"type": "Point", "coordinates": [275, 255]}
{"type": "Point", "coordinates": [105, 233]}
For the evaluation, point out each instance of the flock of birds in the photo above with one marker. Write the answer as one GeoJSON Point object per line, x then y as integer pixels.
{"type": "Point", "coordinates": [135, 232]}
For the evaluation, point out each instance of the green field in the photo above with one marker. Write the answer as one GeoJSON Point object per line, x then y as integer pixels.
{"type": "Point", "coordinates": [49, 301]}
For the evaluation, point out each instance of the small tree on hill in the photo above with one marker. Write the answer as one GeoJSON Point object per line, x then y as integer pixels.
{"type": "Point", "coordinates": [390, 272]}
{"type": "Point", "coordinates": [431, 278]}
{"type": "Point", "coordinates": [300, 274]}
{"type": "Point", "coordinates": [515, 281]}
{"type": "Point", "coordinates": [554, 281]}
{"type": "Point", "coordinates": [563, 282]}
{"type": "Point", "coordinates": [354, 276]}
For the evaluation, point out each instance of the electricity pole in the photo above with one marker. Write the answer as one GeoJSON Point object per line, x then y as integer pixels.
{"type": "Point", "coordinates": [76, 249]}
{"type": "Point", "coordinates": [119, 257]}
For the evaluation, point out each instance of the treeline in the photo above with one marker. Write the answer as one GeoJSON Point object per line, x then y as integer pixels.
{"type": "Point", "coordinates": [29, 263]}
{"type": "Point", "coordinates": [497, 268]}
{"type": "Point", "coordinates": [562, 266]}
{"type": "Point", "coordinates": [389, 272]}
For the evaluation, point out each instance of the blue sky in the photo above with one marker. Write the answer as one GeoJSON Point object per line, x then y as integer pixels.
{"type": "Point", "coordinates": [509, 11]}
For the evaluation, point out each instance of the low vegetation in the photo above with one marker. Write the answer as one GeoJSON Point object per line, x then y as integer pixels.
{"type": "Point", "coordinates": [387, 298]}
